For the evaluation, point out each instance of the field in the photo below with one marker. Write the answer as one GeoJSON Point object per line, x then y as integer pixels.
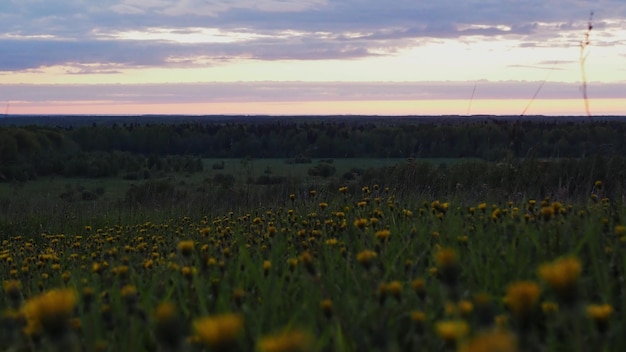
{"type": "Point", "coordinates": [382, 254]}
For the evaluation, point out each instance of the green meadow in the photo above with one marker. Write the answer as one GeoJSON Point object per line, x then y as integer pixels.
{"type": "Point", "coordinates": [468, 241]}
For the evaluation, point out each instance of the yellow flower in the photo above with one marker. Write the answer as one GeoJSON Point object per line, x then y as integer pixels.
{"type": "Point", "coordinates": [267, 265]}
{"type": "Point", "coordinates": [521, 298]}
{"type": "Point", "coordinates": [219, 331]}
{"type": "Point", "coordinates": [418, 316]}
{"type": "Point", "coordinates": [600, 314]}
{"type": "Point", "coordinates": [366, 258]}
{"type": "Point", "coordinates": [360, 223]}
{"type": "Point", "coordinates": [186, 247]}
{"type": "Point", "coordinates": [395, 289]}
{"type": "Point", "coordinates": [448, 268]}
{"type": "Point", "coordinates": [547, 213]}
{"type": "Point", "coordinates": [12, 289]}
{"type": "Point", "coordinates": [452, 330]}
{"type": "Point", "coordinates": [289, 341]}
{"type": "Point", "coordinates": [549, 307]}
{"type": "Point", "coordinates": [167, 328]}
{"type": "Point", "coordinates": [129, 294]}
{"type": "Point", "coordinates": [492, 341]}
{"type": "Point", "coordinates": [50, 311]}
{"type": "Point", "coordinates": [327, 307]}
{"type": "Point", "coordinates": [383, 235]}
{"type": "Point", "coordinates": [419, 286]}
{"type": "Point", "coordinates": [562, 276]}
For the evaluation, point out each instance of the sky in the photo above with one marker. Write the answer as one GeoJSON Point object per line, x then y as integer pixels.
{"type": "Point", "coordinates": [313, 57]}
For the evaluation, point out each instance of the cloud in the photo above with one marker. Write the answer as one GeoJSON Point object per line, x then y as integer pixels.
{"type": "Point", "coordinates": [247, 92]}
{"type": "Point", "coordinates": [36, 33]}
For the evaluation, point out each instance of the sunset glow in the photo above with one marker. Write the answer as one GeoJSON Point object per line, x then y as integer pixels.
{"type": "Point", "coordinates": [455, 57]}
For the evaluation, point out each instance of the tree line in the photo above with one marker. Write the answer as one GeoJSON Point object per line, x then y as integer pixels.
{"type": "Point", "coordinates": [101, 150]}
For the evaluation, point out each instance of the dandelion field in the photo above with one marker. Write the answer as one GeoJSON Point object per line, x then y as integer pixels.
{"type": "Point", "coordinates": [161, 253]}
{"type": "Point", "coordinates": [354, 269]}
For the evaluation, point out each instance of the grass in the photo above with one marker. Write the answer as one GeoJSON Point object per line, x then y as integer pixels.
{"type": "Point", "coordinates": [294, 273]}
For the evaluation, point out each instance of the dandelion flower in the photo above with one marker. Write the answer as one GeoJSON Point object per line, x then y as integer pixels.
{"type": "Point", "coordinates": [186, 248]}
{"type": "Point", "coordinates": [492, 341]}
{"type": "Point", "coordinates": [219, 332]}
{"type": "Point", "coordinates": [50, 312]}
{"type": "Point", "coordinates": [366, 258]}
{"type": "Point", "coordinates": [521, 299]}
{"type": "Point", "coordinates": [600, 314]}
{"type": "Point", "coordinates": [452, 331]}
{"type": "Point", "coordinates": [289, 341]}
{"type": "Point", "coordinates": [562, 277]}
{"type": "Point", "coordinates": [167, 325]}
{"type": "Point", "coordinates": [448, 268]}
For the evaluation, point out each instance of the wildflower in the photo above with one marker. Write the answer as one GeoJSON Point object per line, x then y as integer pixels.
{"type": "Point", "coordinates": [521, 299]}
{"type": "Point", "coordinates": [238, 296]}
{"type": "Point", "coordinates": [186, 248]}
{"type": "Point", "coordinates": [492, 341]}
{"type": "Point", "coordinates": [12, 288]}
{"type": "Point", "coordinates": [448, 268]}
{"type": "Point", "coordinates": [382, 235]}
{"type": "Point", "coordinates": [547, 213]}
{"type": "Point", "coordinates": [88, 293]}
{"type": "Point", "coordinates": [288, 341]}
{"type": "Point", "coordinates": [484, 309]}
{"type": "Point", "coordinates": [452, 331]}
{"type": "Point", "coordinates": [129, 295]}
{"type": "Point", "coordinates": [219, 332]}
{"type": "Point", "coordinates": [266, 267]}
{"type": "Point", "coordinates": [620, 230]}
{"type": "Point", "coordinates": [188, 272]}
{"type": "Point", "coordinates": [50, 312]}
{"type": "Point", "coordinates": [366, 258]}
{"type": "Point", "coordinates": [465, 307]}
{"type": "Point", "coordinates": [327, 308]}
{"type": "Point", "coordinates": [307, 259]}
{"type": "Point", "coordinates": [418, 318]}
{"type": "Point", "coordinates": [549, 307]}
{"type": "Point", "coordinates": [292, 262]}
{"type": "Point", "coordinates": [600, 314]}
{"type": "Point", "coordinates": [419, 286]}
{"type": "Point", "coordinates": [360, 223]}
{"type": "Point", "coordinates": [167, 326]}
{"type": "Point", "coordinates": [395, 289]}
{"type": "Point", "coordinates": [562, 277]}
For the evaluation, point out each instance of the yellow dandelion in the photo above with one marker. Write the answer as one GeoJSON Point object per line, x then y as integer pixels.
{"type": "Point", "coordinates": [327, 307]}
{"type": "Point", "coordinates": [448, 268]}
{"type": "Point", "coordinates": [491, 341]}
{"type": "Point", "coordinates": [186, 247]}
{"type": "Point", "coordinates": [452, 331]}
{"type": "Point", "coordinates": [167, 328]}
{"type": "Point", "coordinates": [366, 257]}
{"type": "Point", "coordinates": [382, 235]}
{"type": "Point", "coordinates": [562, 277]}
{"type": "Point", "coordinates": [288, 341]}
{"type": "Point", "coordinates": [600, 314]}
{"type": "Point", "coordinates": [521, 298]}
{"type": "Point", "coordinates": [218, 332]}
{"type": "Point", "coordinates": [50, 311]}
{"type": "Point", "coordinates": [360, 223]}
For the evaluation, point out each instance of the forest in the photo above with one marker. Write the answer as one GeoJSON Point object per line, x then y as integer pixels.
{"type": "Point", "coordinates": [104, 150]}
